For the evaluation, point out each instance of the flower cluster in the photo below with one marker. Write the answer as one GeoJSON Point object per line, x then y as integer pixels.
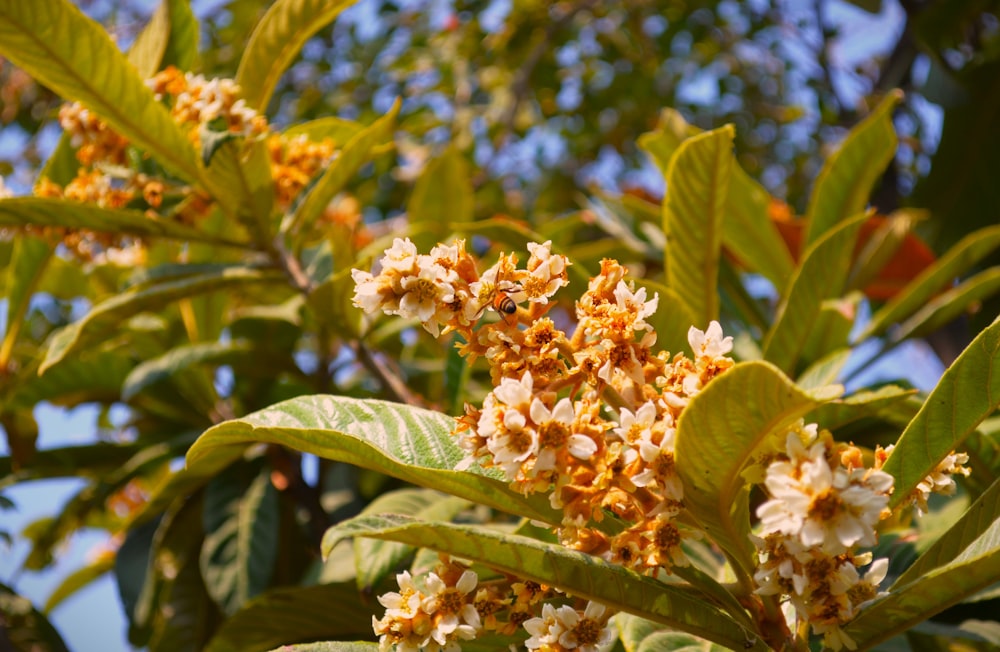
{"type": "Point", "coordinates": [823, 504]}
{"type": "Point", "coordinates": [453, 606]}
{"type": "Point", "coordinates": [108, 177]}
{"type": "Point", "coordinates": [588, 416]}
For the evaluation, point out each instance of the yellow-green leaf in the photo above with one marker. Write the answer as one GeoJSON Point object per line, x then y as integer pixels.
{"type": "Point", "coordinates": [276, 41]}
{"type": "Point", "coordinates": [968, 392]}
{"type": "Point", "coordinates": [443, 194]}
{"type": "Point", "coordinates": [693, 213]}
{"type": "Point", "coordinates": [820, 276]}
{"type": "Point", "coordinates": [748, 232]}
{"type": "Point", "coordinates": [849, 174]}
{"type": "Point", "coordinates": [71, 54]}
{"type": "Point", "coordinates": [721, 432]}
{"type": "Point", "coordinates": [921, 291]}
{"type": "Point", "coordinates": [354, 154]}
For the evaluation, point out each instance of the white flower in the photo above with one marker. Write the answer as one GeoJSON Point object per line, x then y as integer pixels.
{"type": "Point", "coordinates": [404, 603]}
{"type": "Point", "coordinates": [635, 302]}
{"type": "Point", "coordinates": [549, 629]}
{"type": "Point", "coordinates": [400, 257]}
{"type": "Point", "coordinates": [454, 615]}
{"type": "Point", "coordinates": [632, 428]}
{"type": "Point", "coordinates": [709, 343]}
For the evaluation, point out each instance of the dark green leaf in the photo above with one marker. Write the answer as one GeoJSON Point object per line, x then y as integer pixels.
{"type": "Point", "coordinates": [24, 627]}
{"type": "Point", "coordinates": [295, 614]}
{"type": "Point", "coordinates": [241, 521]}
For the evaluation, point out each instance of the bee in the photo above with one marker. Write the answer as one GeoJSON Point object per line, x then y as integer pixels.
{"type": "Point", "coordinates": [498, 297]}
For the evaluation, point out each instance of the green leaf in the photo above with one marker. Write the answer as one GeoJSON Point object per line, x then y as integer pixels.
{"type": "Point", "coordinates": [79, 579]}
{"type": "Point", "coordinates": [171, 363]}
{"type": "Point", "coordinates": [71, 54]}
{"type": "Point", "coordinates": [28, 263]}
{"type": "Point", "coordinates": [832, 327]}
{"type": "Point", "coordinates": [276, 41]}
{"type": "Point", "coordinates": [973, 523]}
{"type": "Point", "coordinates": [849, 174]}
{"type": "Point", "coordinates": [329, 646]}
{"type": "Point", "coordinates": [339, 130]}
{"type": "Point", "coordinates": [375, 559]}
{"type": "Point", "coordinates": [824, 371]}
{"type": "Point", "coordinates": [640, 635]}
{"type": "Point", "coordinates": [93, 376]}
{"type": "Point", "coordinates": [241, 520]}
{"type": "Point", "coordinates": [949, 305]}
{"type": "Point", "coordinates": [961, 257]}
{"type": "Point", "coordinates": [107, 316]}
{"type": "Point", "coordinates": [294, 614]}
{"type": "Point", "coordinates": [169, 38]}
{"type": "Point", "coordinates": [693, 212]}
{"type": "Point", "coordinates": [24, 627]}
{"type": "Point", "coordinates": [748, 231]}
{"type": "Point", "coordinates": [242, 167]}
{"type": "Point", "coordinates": [726, 427]}
{"type": "Point", "coordinates": [45, 211]}
{"type": "Point", "coordinates": [976, 566]}
{"type": "Point", "coordinates": [443, 194]}
{"type": "Point", "coordinates": [406, 442]}
{"type": "Point", "coordinates": [842, 412]}
{"type": "Point", "coordinates": [968, 392]}
{"type": "Point", "coordinates": [819, 276]}
{"type": "Point", "coordinates": [574, 572]}
{"type": "Point", "coordinates": [355, 153]}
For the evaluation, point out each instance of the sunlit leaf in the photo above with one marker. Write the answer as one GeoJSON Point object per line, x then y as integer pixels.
{"type": "Point", "coordinates": [749, 234]}
{"type": "Point", "coordinates": [819, 276]}
{"type": "Point", "coordinates": [44, 211]}
{"type": "Point", "coordinates": [169, 38]}
{"type": "Point", "coordinates": [849, 174]}
{"type": "Point", "coordinates": [80, 579]}
{"type": "Point", "coordinates": [842, 412]}
{"type": "Point", "coordinates": [276, 41]}
{"type": "Point", "coordinates": [693, 214]}
{"type": "Point", "coordinates": [241, 520]}
{"type": "Point", "coordinates": [107, 316]}
{"type": "Point", "coordinates": [968, 392]}
{"type": "Point", "coordinates": [406, 442]}
{"type": "Point", "coordinates": [958, 259]}
{"type": "Point", "coordinates": [354, 154]}
{"type": "Point", "coordinates": [724, 429]}
{"type": "Point", "coordinates": [576, 573]}
{"type": "Point", "coordinates": [339, 130]}
{"type": "Point", "coordinates": [71, 54]}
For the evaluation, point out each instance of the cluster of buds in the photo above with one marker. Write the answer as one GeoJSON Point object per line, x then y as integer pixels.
{"type": "Point", "coordinates": [107, 179]}
{"type": "Point", "coordinates": [589, 418]}
{"type": "Point", "coordinates": [453, 606]}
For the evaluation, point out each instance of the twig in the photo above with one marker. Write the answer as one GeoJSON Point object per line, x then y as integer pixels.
{"type": "Point", "coordinates": [389, 379]}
